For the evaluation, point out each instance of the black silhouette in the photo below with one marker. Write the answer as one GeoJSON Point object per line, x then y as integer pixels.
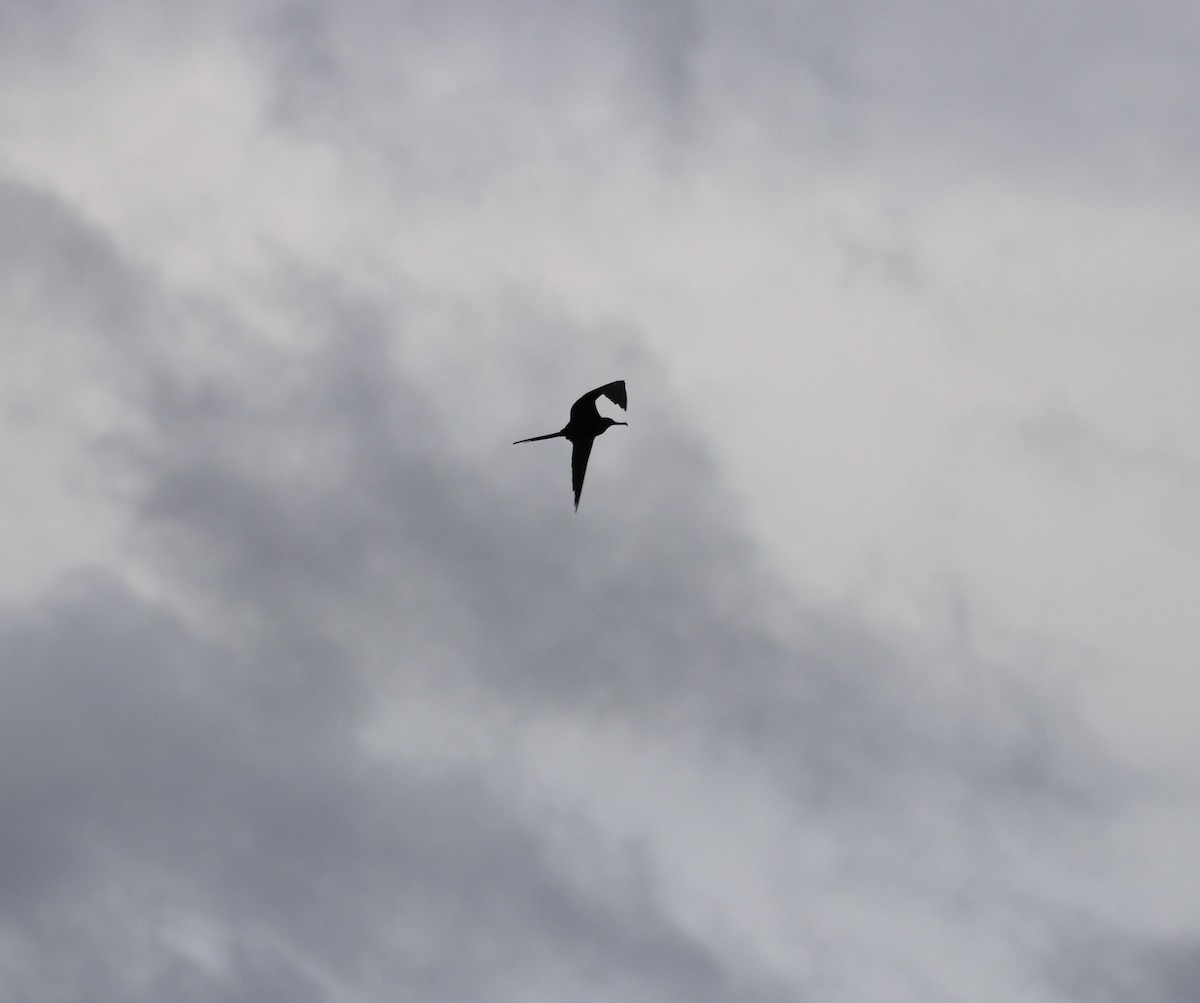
{"type": "Point", "coordinates": [586, 423]}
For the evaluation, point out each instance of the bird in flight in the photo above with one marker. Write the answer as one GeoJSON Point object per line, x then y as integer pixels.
{"type": "Point", "coordinates": [586, 423]}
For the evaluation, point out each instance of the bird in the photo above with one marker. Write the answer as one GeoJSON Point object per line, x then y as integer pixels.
{"type": "Point", "coordinates": [584, 425]}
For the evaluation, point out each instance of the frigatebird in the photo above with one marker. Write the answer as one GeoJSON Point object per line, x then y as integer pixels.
{"type": "Point", "coordinates": [586, 423]}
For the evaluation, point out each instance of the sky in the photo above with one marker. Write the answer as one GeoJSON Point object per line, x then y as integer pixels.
{"type": "Point", "coordinates": [865, 672]}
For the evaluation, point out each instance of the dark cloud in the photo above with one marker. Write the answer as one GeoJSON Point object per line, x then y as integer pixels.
{"type": "Point", "coordinates": [327, 533]}
{"type": "Point", "coordinates": [164, 788]}
{"type": "Point", "coordinates": [1115, 968]}
{"type": "Point", "coordinates": [61, 274]}
{"type": "Point", "coordinates": [208, 777]}
{"type": "Point", "coordinates": [195, 814]}
{"type": "Point", "coordinates": [308, 505]}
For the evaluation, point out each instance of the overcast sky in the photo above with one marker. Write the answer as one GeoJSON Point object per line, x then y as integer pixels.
{"type": "Point", "coordinates": [865, 673]}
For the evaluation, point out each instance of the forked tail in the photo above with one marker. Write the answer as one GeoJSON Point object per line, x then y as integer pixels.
{"type": "Point", "coordinates": [552, 435]}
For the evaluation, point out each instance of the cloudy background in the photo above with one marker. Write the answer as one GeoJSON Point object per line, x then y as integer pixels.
{"type": "Point", "coordinates": [865, 672]}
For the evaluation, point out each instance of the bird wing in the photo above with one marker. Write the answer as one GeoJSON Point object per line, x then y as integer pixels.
{"type": "Point", "coordinates": [580, 452]}
{"type": "Point", "coordinates": [615, 392]}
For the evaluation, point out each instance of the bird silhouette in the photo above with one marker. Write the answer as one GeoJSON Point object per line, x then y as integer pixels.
{"type": "Point", "coordinates": [585, 424]}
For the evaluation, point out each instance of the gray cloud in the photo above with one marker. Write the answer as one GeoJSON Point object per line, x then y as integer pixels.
{"type": "Point", "coordinates": [362, 710]}
{"type": "Point", "coordinates": [1108, 85]}
{"type": "Point", "coordinates": [210, 782]}
{"type": "Point", "coordinates": [1117, 968]}
{"type": "Point", "coordinates": [307, 506]}
{"type": "Point", "coordinates": [182, 824]}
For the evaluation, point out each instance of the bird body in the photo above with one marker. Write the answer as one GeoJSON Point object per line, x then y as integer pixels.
{"type": "Point", "coordinates": [585, 423]}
